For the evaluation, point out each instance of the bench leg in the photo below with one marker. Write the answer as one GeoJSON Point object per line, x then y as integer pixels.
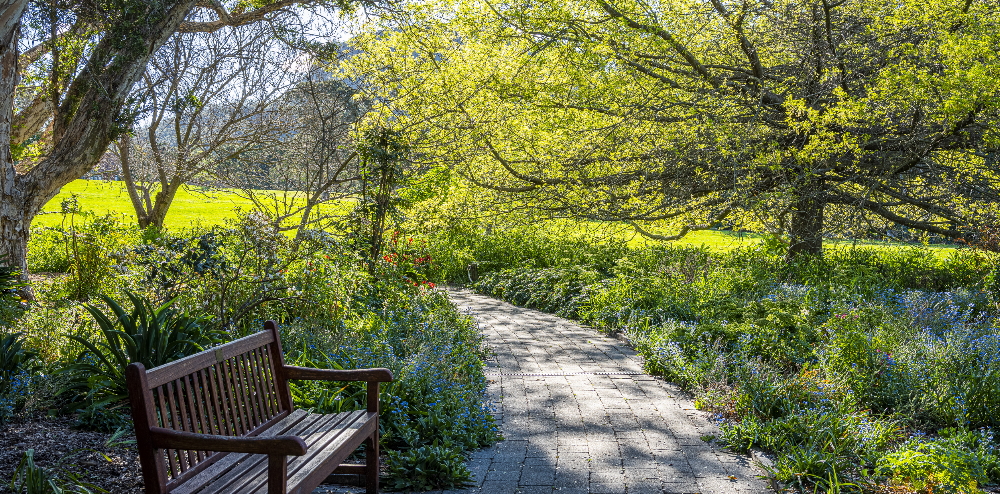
{"type": "Point", "coordinates": [371, 463]}
{"type": "Point", "coordinates": [277, 472]}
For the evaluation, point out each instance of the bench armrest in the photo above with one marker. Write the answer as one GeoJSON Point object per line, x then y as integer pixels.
{"type": "Point", "coordinates": [275, 445]}
{"type": "Point", "coordinates": [308, 373]}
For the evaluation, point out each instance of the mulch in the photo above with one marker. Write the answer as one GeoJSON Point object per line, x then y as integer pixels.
{"type": "Point", "coordinates": [54, 438]}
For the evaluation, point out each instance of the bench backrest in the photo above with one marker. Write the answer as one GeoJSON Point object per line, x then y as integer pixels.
{"type": "Point", "coordinates": [234, 389]}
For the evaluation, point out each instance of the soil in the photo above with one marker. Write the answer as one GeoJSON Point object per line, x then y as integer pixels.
{"type": "Point", "coordinates": [54, 438]}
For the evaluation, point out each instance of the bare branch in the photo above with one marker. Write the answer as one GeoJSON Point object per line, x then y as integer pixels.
{"type": "Point", "coordinates": [227, 19]}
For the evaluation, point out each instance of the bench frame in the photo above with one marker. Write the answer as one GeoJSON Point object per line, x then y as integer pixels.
{"type": "Point", "coordinates": [233, 393]}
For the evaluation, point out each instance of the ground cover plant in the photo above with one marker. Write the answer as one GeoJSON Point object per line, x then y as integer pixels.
{"type": "Point", "coordinates": [864, 370]}
{"type": "Point", "coordinates": [158, 295]}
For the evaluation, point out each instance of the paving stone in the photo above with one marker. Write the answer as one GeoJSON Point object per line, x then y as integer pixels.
{"type": "Point", "coordinates": [499, 487]}
{"type": "Point", "coordinates": [644, 486]}
{"type": "Point", "coordinates": [684, 488]}
{"type": "Point", "coordinates": [536, 489]}
{"type": "Point", "coordinates": [538, 475]}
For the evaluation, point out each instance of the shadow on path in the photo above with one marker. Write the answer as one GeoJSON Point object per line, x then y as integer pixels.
{"type": "Point", "coordinates": [580, 416]}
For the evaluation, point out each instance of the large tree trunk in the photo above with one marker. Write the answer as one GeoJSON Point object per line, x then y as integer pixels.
{"type": "Point", "coordinates": [805, 230]}
{"type": "Point", "coordinates": [14, 228]}
{"type": "Point", "coordinates": [88, 117]}
{"type": "Point", "coordinates": [13, 224]}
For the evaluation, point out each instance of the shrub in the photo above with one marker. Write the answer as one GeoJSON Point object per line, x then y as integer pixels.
{"type": "Point", "coordinates": [14, 359]}
{"type": "Point", "coordinates": [240, 275]}
{"type": "Point", "coordinates": [17, 366]}
{"type": "Point", "coordinates": [514, 247]}
{"type": "Point", "coordinates": [94, 249]}
{"type": "Point", "coordinates": [558, 290]}
{"type": "Point", "coordinates": [152, 336]}
{"type": "Point", "coordinates": [333, 314]}
{"type": "Point", "coordinates": [11, 303]}
{"type": "Point", "coordinates": [426, 468]}
{"type": "Point", "coordinates": [47, 252]}
{"type": "Point", "coordinates": [934, 466]}
{"type": "Point", "coordinates": [104, 417]}
{"type": "Point", "coordinates": [435, 405]}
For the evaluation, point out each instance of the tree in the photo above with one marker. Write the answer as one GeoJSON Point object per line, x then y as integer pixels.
{"type": "Point", "coordinates": [210, 99]}
{"type": "Point", "coordinates": [800, 116]}
{"type": "Point", "coordinates": [89, 104]}
{"type": "Point", "coordinates": [299, 183]}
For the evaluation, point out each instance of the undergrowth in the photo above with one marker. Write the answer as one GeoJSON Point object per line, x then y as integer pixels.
{"type": "Point", "coordinates": [864, 368]}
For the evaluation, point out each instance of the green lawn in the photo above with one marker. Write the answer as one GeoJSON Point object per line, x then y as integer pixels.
{"type": "Point", "coordinates": [192, 207]}
{"type": "Point", "coordinates": [725, 241]}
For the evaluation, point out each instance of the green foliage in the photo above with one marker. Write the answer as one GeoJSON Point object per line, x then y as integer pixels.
{"type": "Point", "coordinates": [558, 290]}
{"type": "Point", "coordinates": [383, 156]}
{"type": "Point", "coordinates": [463, 80]}
{"type": "Point", "coordinates": [93, 247]}
{"type": "Point", "coordinates": [150, 335]}
{"type": "Point", "coordinates": [508, 247]}
{"type": "Point", "coordinates": [14, 359]}
{"type": "Point", "coordinates": [47, 251]}
{"type": "Point", "coordinates": [434, 408]}
{"type": "Point", "coordinates": [426, 468]}
{"type": "Point", "coordinates": [332, 311]}
{"type": "Point", "coordinates": [30, 478]}
{"type": "Point", "coordinates": [231, 274]}
{"type": "Point", "coordinates": [17, 366]}
{"type": "Point", "coordinates": [11, 303]}
{"type": "Point", "coordinates": [830, 363]}
{"type": "Point", "coordinates": [934, 467]}
{"type": "Point", "coordinates": [104, 417]}
{"type": "Point", "coordinates": [169, 262]}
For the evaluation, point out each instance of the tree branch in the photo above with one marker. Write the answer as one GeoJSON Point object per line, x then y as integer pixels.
{"type": "Point", "coordinates": [227, 19]}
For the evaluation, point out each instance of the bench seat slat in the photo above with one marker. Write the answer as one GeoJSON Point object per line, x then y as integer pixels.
{"type": "Point", "coordinates": [305, 474]}
{"type": "Point", "coordinates": [250, 470]}
{"type": "Point", "coordinates": [239, 480]}
{"type": "Point", "coordinates": [257, 475]}
{"type": "Point", "coordinates": [166, 373]}
{"type": "Point", "coordinates": [315, 440]}
{"type": "Point", "coordinates": [228, 461]}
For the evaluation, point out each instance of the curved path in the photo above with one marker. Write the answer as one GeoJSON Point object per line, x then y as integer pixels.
{"type": "Point", "coordinates": [579, 415]}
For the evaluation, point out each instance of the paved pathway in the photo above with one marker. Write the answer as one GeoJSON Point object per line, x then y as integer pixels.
{"type": "Point", "coordinates": [579, 416]}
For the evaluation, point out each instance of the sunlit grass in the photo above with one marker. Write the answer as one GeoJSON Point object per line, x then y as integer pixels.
{"type": "Point", "coordinates": [203, 207]}
{"type": "Point", "coordinates": [193, 207]}
{"type": "Point", "coordinates": [716, 240]}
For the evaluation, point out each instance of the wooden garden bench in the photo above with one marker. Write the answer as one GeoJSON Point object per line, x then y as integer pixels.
{"type": "Point", "coordinates": [222, 421]}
